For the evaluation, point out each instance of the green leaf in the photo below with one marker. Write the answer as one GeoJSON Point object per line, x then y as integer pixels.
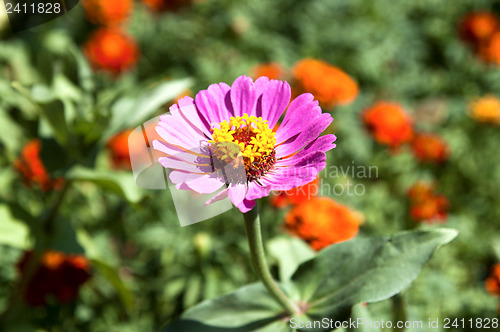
{"type": "Point", "coordinates": [106, 265]}
{"type": "Point", "coordinates": [64, 238]}
{"type": "Point", "coordinates": [53, 123]}
{"type": "Point", "coordinates": [290, 252]}
{"type": "Point", "coordinates": [11, 134]}
{"type": "Point", "coordinates": [361, 312]}
{"type": "Point", "coordinates": [250, 308]}
{"type": "Point", "coordinates": [121, 183]}
{"type": "Point", "coordinates": [364, 270]}
{"type": "Point", "coordinates": [130, 112]}
{"type": "Point", "coordinates": [112, 276]}
{"type": "Point", "coordinates": [328, 285]}
{"type": "Point", "coordinates": [13, 232]}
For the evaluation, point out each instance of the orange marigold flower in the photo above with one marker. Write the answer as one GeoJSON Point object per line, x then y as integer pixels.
{"type": "Point", "coordinates": [119, 151]}
{"type": "Point", "coordinates": [58, 275]}
{"type": "Point", "coordinates": [32, 170]}
{"type": "Point", "coordinates": [166, 5]}
{"type": "Point", "coordinates": [426, 205]}
{"type": "Point", "coordinates": [490, 50]}
{"type": "Point", "coordinates": [429, 148]}
{"type": "Point", "coordinates": [111, 50]}
{"type": "Point", "coordinates": [492, 283]}
{"type": "Point", "coordinates": [321, 222]}
{"type": "Point", "coordinates": [107, 12]}
{"type": "Point", "coordinates": [486, 109]}
{"type": "Point", "coordinates": [478, 27]}
{"type": "Point", "coordinates": [389, 124]}
{"type": "Point", "coordinates": [329, 84]}
{"type": "Point", "coordinates": [272, 70]}
{"type": "Point", "coordinates": [296, 195]}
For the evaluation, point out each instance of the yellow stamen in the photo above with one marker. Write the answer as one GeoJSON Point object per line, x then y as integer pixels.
{"type": "Point", "coordinates": [251, 138]}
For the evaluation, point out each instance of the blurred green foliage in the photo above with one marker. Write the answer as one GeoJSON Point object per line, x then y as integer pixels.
{"type": "Point", "coordinates": [146, 269]}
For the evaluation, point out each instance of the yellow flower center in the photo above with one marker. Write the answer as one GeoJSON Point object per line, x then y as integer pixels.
{"type": "Point", "coordinates": [254, 139]}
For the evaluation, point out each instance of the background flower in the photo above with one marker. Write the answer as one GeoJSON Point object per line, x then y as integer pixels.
{"type": "Point", "coordinates": [296, 195]}
{"type": "Point", "coordinates": [389, 124]}
{"type": "Point", "coordinates": [59, 275]}
{"type": "Point", "coordinates": [492, 283]}
{"type": "Point", "coordinates": [486, 109]}
{"type": "Point", "coordinates": [429, 148]}
{"type": "Point", "coordinates": [166, 5]}
{"type": "Point", "coordinates": [111, 50]}
{"type": "Point", "coordinates": [119, 150]}
{"type": "Point", "coordinates": [107, 12]}
{"type": "Point", "coordinates": [329, 84]}
{"type": "Point", "coordinates": [478, 27]}
{"type": "Point", "coordinates": [32, 170]}
{"type": "Point", "coordinates": [426, 205]}
{"type": "Point", "coordinates": [271, 70]}
{"type": "Point", "coordinates": [322, 221]}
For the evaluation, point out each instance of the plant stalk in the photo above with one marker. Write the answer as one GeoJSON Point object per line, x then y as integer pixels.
{"type": "Point", "coordinates": [252, 225]}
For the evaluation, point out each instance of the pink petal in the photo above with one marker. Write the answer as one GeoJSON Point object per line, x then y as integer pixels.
{"type": "Point", "coordinates": [256, 191]}
{"type": "Point", "coordinates": [302, 111]}
{"type": "Point", "coordinates": [186, 109]}
{"type": "Point", "coordinates": [243, 96]}
{"type": "Point", "coordinates": [212, 105]}
{"type": "Point", "coordinates": [205, 184]}
{"type": "Point", "coordinates": [246, 205]}
{"type": "Point", "coordinates": [237, 192]}
{"type": "Point", "coordinates": [306, 136]}
{"type": "Point", "coordinates": [274, 100]}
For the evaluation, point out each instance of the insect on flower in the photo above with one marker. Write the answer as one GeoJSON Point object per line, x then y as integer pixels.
{"type": "Point", "coordinates": [224, 137]}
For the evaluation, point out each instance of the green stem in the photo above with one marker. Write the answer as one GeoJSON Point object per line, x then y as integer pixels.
{"type": "Point", "coordinates": [252, 225]}
{"type": "Point", "coordinates": [35, 260]}
{"type": "Point", "coordinates": [398, 309]}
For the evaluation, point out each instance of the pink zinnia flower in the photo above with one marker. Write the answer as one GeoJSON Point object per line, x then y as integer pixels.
{"type": "Point", "coordinates": [229, 125]}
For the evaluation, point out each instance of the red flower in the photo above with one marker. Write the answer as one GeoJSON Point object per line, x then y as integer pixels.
{"type": "Point", "coordinates": [389, 124]}
{"type": "Point", "coordinates": [166, 5]}
{"type": "Point", "coordinates": [329, 84]}
{"type": "Point", "coordinates": [59, 276]}
{"type": "Point", "coordinates": [107, 12]}
{"type": "Point", "coordinates": [32, 170]}
{"type": "Point", "coordinates": [478, 27]}
{"type": "Point", "coordinates": [426, 205]}
{"type": "Point", "coordinates": [131, 144]}
{"type": "Point", "coordinates": [296, 195]}
{"type": "Point", "coordinates": [492, 283]}
{"type": "Point", "coordinates": [111, 50]}
{"type": "Point", "coordinates": [322, 221]}
{"type": "Point", "coordinates": [490, 50]}
{"type": "Point", "coordinates": [119, 151]}
{"type": "Point", "coordinates": [272, 70]}
{"type": "Point", "coordinates": [429, 148]}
